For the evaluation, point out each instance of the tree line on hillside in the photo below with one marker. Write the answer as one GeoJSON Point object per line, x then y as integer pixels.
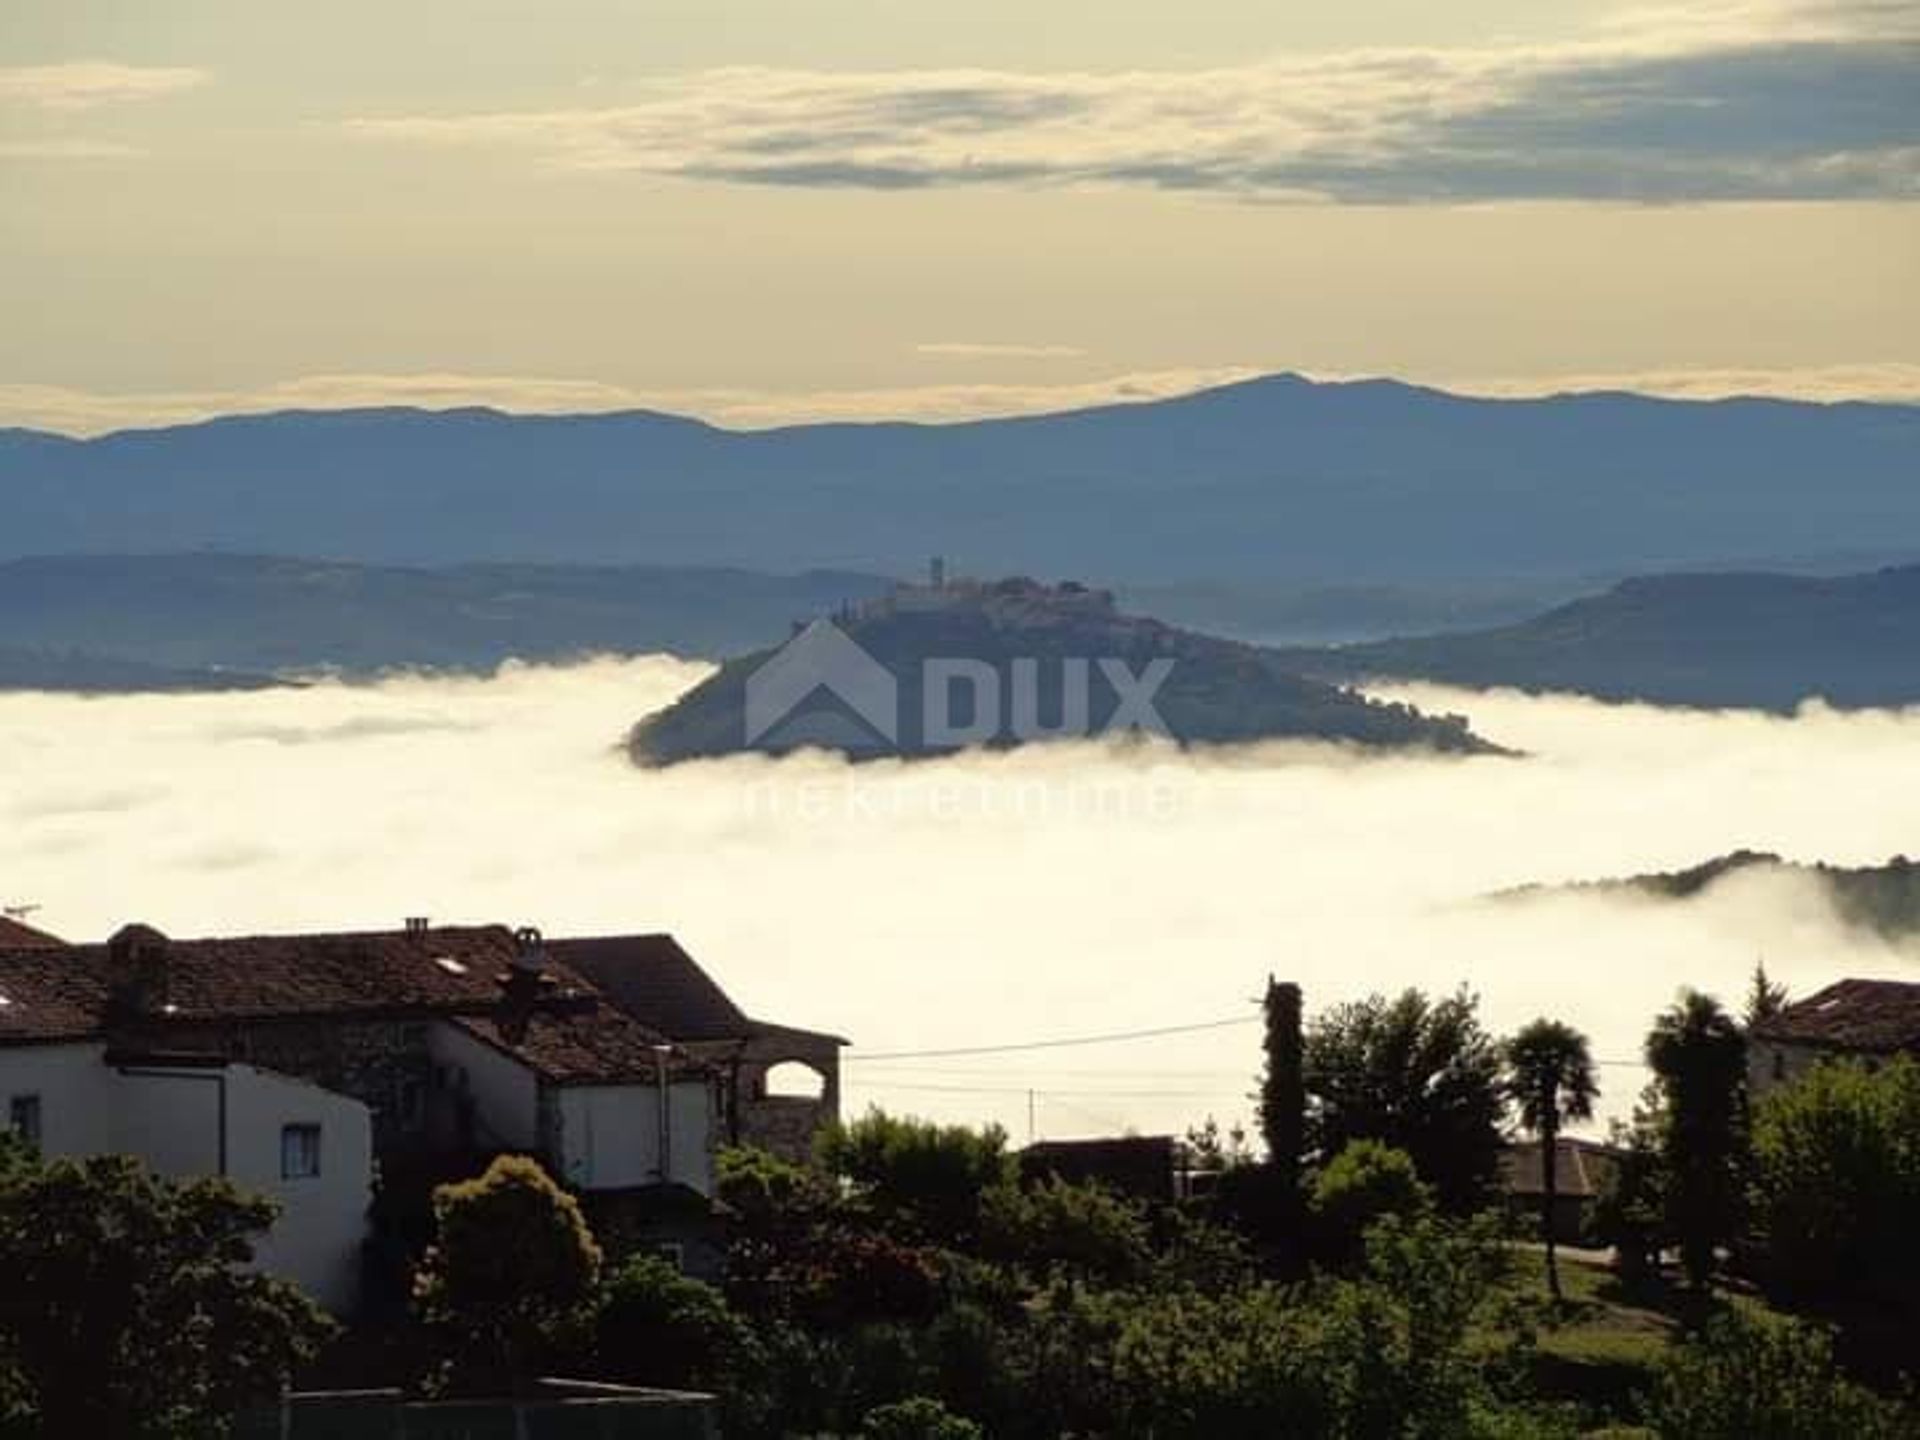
{"type": "Point", "coordinates": [1353, 1278]}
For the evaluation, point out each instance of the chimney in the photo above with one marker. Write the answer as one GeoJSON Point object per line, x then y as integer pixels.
{"type": "Point", "coordinates": [524, 985]}
{"type": "Point", "coordinates": [418, 924]}
{"type": "Point", "coordinates": [137, 971]}
{"type": "Point", "coordinates": [530, 953]}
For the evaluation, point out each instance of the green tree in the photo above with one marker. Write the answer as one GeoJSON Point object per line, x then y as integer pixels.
{"type": "Point", "coordinates": [1056, 1226]}
{"type": "Point", "coordinates": [919, 1418]}
{"type": "Point", "coordinates": [1417, 1074]}
{"type": "Point", "coordinates": [1837, 1182]}
{"type": "Point", "coordinates": [1631, 1212]}
{"type": "Point", "coordinates": [1751, 1379]}
{"type": "Point", "coordinates": [1362, 1185]}
{"type": "Point", "coordinates": [128, 1307]}
{"type": "Point", "coordinates": [1765, 998]}
{"type": "Point", "coordinates": [1699, 1058]}
{"type": "Point", "coordinates": [510, 1277]}
{"type": "Point", "coordinates": [923, 1179]}
{"type": "Point", "coordinates": [1283, 1093]}
{"type": "Point", "coordinates": [1550, 1077]}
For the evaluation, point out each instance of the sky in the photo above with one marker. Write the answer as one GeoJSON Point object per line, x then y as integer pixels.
{"type": "Point", "coordinates": [1060, 891]}
{"type": "Point", "coordinates": [763, 212]}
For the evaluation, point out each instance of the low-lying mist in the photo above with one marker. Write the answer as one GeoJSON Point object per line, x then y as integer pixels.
{"type": "Point", "coordinates": [1057, 892]}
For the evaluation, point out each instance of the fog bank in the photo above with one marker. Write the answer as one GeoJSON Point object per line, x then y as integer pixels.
{"type": "Point", "coordinates": [1063, 891]}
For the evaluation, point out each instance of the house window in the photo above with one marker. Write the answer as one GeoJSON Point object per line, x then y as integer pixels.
{"type": "Point", "coordinates": [299, 1152]}
{"type": "Point", "coordinates": [23, 1118]}
{"type": "Point", "coordinates": [672, 1252]}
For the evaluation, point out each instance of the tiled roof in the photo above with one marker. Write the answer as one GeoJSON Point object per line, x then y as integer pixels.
{"type": "Point", "coordinates": [603, 1046]}
{"type": "Point", "coordinates": [656, 982]}
{"type": "Point", "coordinates": [453, 973]}
{"type": "Point", "coordinates": [1876, 1015]}
{"type": "Point", "coordinates": [1579, 1171]}
{"type": "Point", "coordinates": [18, 935]}
{"type": "Point", "coordinates": [263, 977]}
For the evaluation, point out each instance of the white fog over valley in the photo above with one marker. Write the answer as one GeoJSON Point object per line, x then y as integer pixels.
{"type": "Point", "coordinates": [1055, 892]}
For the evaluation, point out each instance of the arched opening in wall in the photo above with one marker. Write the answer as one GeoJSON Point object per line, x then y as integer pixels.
{"type": "Point", "coordinates": [793, 1080]}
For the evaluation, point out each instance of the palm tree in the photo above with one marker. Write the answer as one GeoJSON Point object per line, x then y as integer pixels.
{"type": "Point", "coordinates": [1550, 1076]}
{"type": "Point", "coordinates": [1698, 1057]}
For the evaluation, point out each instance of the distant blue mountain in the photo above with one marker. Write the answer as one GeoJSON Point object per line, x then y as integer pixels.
{"type": "Point", "coordinates": [1280, 476]}
{"type": "Point", "coordinates": [1712, 640]}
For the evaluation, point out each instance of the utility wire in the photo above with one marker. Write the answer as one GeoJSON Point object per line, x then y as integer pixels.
{"type": "Point", "coordinates": [1107, 1039]}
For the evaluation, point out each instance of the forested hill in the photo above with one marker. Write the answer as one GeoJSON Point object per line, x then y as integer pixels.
{"type": "Point", "coordinates": [1881, 898]}
{"type": "Point", "coordinates": [1714, 639]}
{"type": "Point", "coordinates": [273, 613]}
{"type": "Point", "coordinates": [1214, 692]}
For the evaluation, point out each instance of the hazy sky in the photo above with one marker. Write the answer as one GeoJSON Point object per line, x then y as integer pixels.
{"type": "Point", "coordinates": [1056, 891]}
{"type": "Point", "coordinates": [760, 209]}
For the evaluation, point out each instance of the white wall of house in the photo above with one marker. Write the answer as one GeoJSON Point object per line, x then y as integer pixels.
{"type": "Point", "coordinates": [74, 1091]}
{"type": "Point", "coordinates": [610, 1135]}
{"type": "Point", "coordinates": [173, 1119]}
{"type": "Point", "coordinates": [505, 1093]}
{"type": "Point", "coordinates": [316, 1242]}
{"type": "Point", "coordinates": [198, 1120]}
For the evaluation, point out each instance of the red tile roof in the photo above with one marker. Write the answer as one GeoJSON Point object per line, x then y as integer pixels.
{"type": "Point", "coordinates": [1873, 1015]}
{"type": "Point", "coordinates": [18, 935]}
{"type": "Point", "coordinates": [49, 995]}
{"type": "Point", "coordinates": [657, 982]}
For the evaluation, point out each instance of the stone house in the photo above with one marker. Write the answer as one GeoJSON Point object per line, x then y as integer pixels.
{"type": "Point", "coordinates": [1866, 1020]}
{"type": "Point", "coordinates": [306, 1066]}
{"type": "Point", "coordinates": [778, 1084]}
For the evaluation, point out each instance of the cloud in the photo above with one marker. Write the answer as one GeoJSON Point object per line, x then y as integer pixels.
{"type": "Point", "coordinates": [1062, 890]}
{"type": "Point", "coordinates": [84, 412]}
{"type": "Point", "coordinates": [1891, 382]}
{"type": "Point", "coordinates": [86, 84]}
{"type": "Point", "coordinates": [1749, 102]}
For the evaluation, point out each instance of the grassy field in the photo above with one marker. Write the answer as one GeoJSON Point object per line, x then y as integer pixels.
{"type": "Point", "coordinates": [1600, 1346]}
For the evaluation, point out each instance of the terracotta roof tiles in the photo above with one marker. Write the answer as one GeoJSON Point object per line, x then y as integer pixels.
{"type": "Point", "coordinates": [1873, 1015]}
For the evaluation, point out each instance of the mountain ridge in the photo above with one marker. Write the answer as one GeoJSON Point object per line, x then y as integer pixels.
{"type": "Point", "coordinates": [1354, 480]}
{"type": "Point", "coordinates": [1712, 639]}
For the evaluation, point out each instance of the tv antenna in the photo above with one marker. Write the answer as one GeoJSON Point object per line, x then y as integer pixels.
{"type": "Point", "coordinates": [18, 912]}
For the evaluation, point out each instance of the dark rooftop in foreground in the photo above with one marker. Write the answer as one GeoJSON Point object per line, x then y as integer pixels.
{"type": "Point", "coordinates": [18, 935]}
{"type": "Point", "coordinates": [1875, 1015]}
{"type": "Point", "coordinates": [575, 1034]}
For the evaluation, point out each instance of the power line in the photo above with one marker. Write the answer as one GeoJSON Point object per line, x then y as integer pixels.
{"type": "Point", "coordinates": [1112, 1037]}
{"type": "Point", "coordinates": [886, 1084]}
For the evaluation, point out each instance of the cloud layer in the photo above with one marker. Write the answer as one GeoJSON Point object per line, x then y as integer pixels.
{"type": "Point", "coordinates": [88, 84]}
{"type": "Point", "coordinates": [1747, 102]}
{"type": "Point", "coordinates": [1057, 892]}
{"type": "Point", "coordinates": [69, 411]}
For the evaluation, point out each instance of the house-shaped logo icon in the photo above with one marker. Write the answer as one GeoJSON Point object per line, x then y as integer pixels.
{"type": "Point", "coordinates": [824, 658]}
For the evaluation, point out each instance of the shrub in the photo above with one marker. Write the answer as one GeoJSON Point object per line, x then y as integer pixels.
{"type": "Point", "coordinates": [1747, 1379]}
{"type": "Point", "coordinates": [923, 1179]}
{"type": "Point", "coordinates": [510, 1278]}
{"type": "Point", "coordinates": [918, 1419]}
{"type": "Point", "coordinates": [1365, 1183]}
{"type": "Point", "coordinates": [129, 1307]}
{"type": "Point", "coordinates": [1837, 1181]}
{"type": "Point", "coordinates": [1080, 1230]}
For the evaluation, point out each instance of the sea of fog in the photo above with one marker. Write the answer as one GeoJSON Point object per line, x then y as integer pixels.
{"type": "Point", "coordinates": [1058, 892]}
